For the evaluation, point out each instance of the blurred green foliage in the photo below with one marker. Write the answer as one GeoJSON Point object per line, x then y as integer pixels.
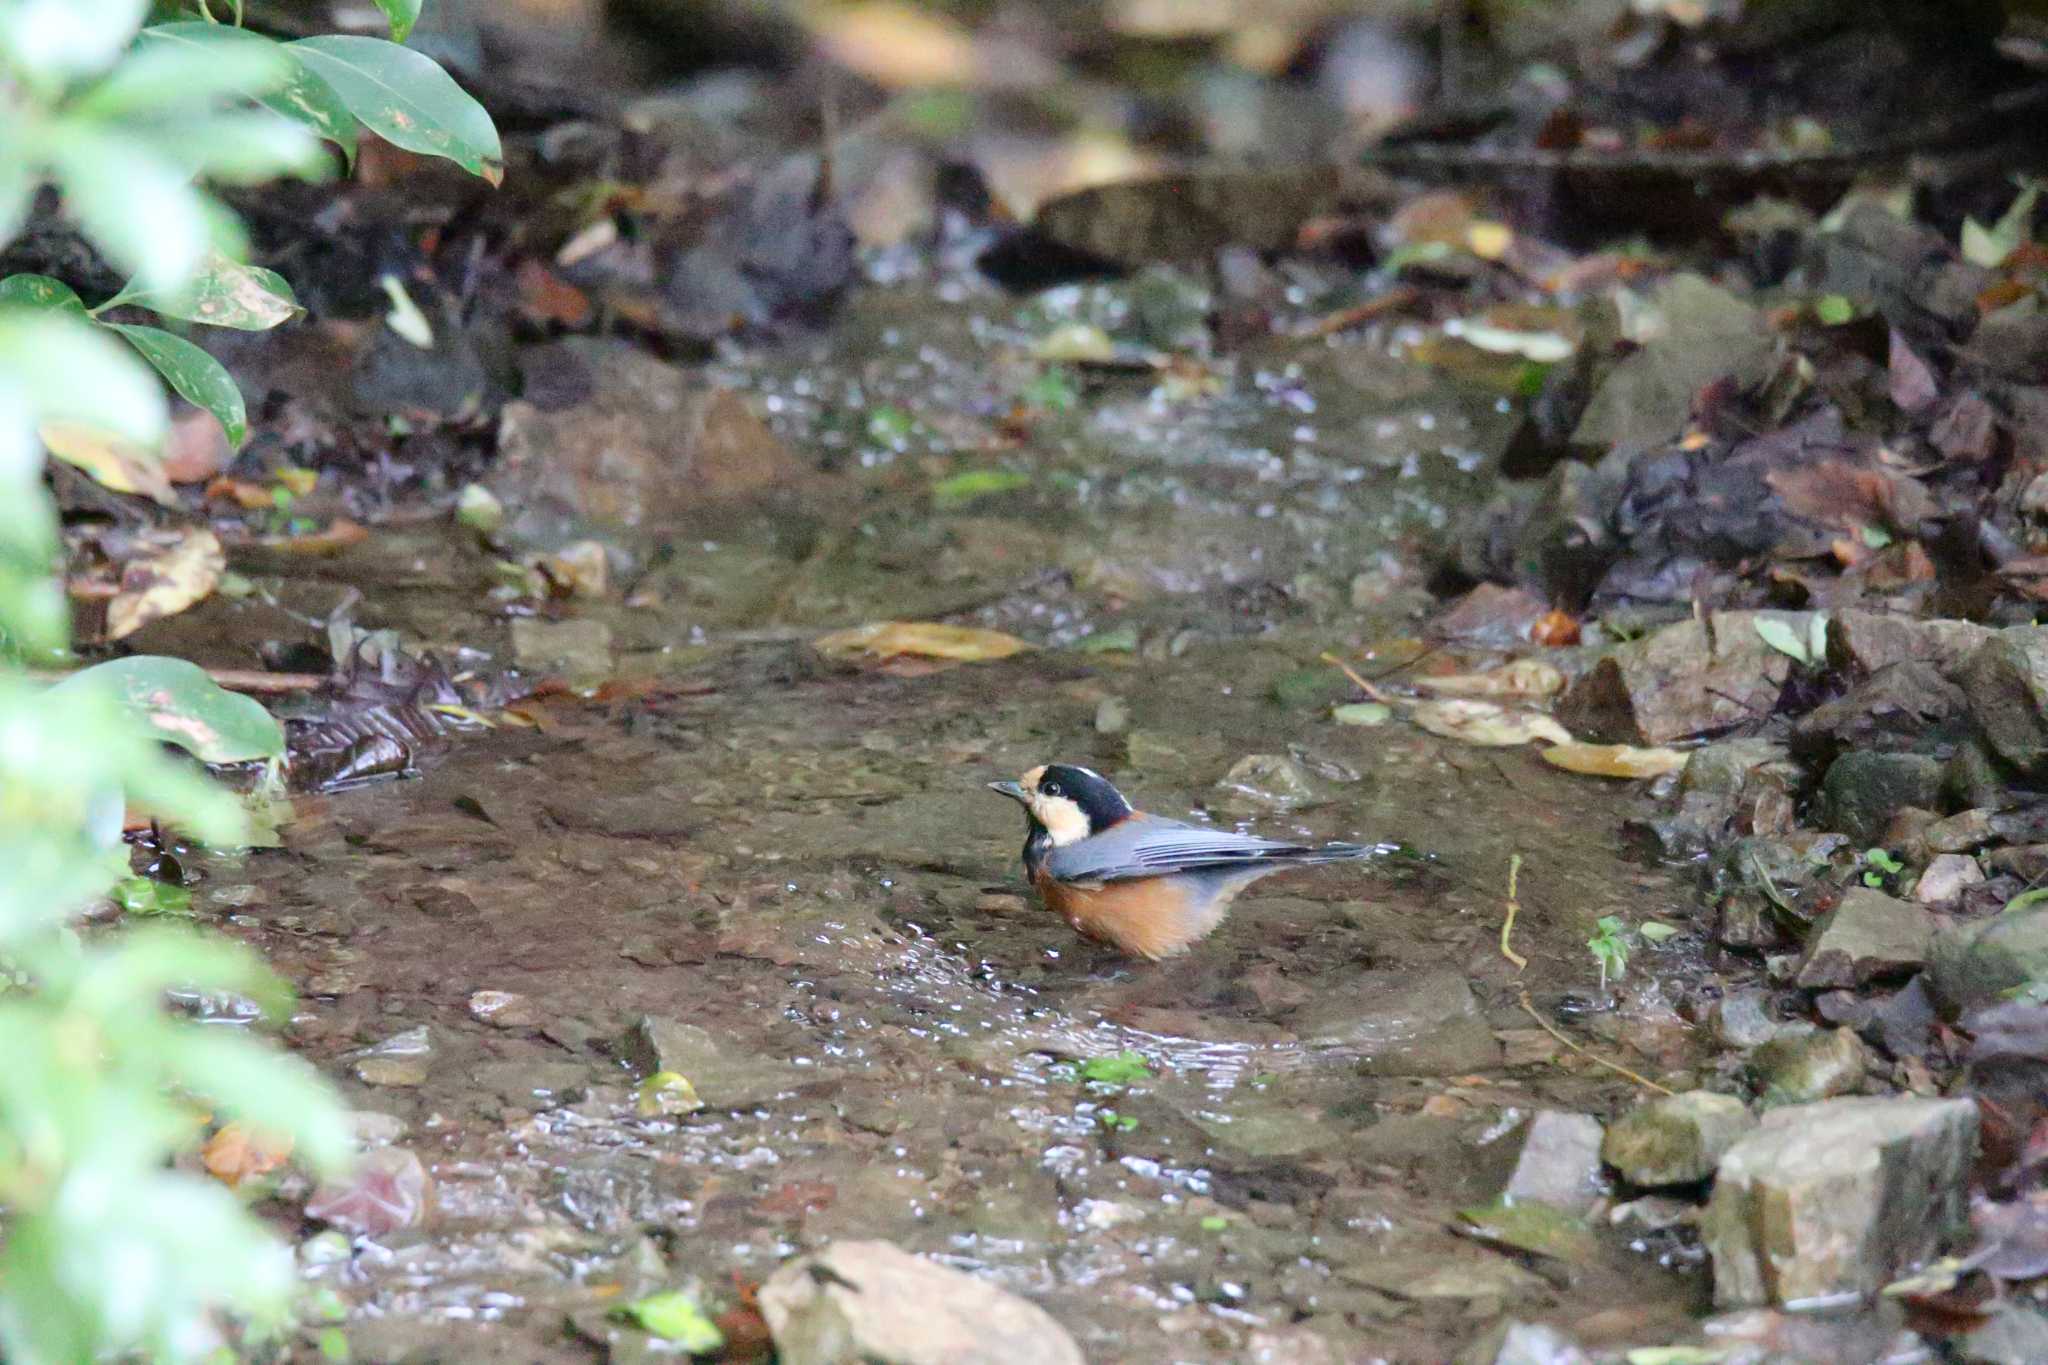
{"type": "Point", "coordinates": [108, 1248]}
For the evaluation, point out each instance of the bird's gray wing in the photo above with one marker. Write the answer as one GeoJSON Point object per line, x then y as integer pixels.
{"type": "Point", "coordinates": [1149, 846]}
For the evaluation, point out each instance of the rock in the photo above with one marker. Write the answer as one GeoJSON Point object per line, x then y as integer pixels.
{"type": "Point", "coordinates": [1676, 1139]}
{"type": "Point", "coordinates": [1112, 716]}
{"type": "Point", "coordinates": [1867, 937]}
{"type": "Point", "coordinates": [2014, 1335]}
{"type": "Point", "coordinates": [580, 647]}
{"type": "Point", "coordinates": [1862, 790]}
{"type": "Point", "coordinates": [1271, 781]}
{"type": "Point", "coordinates": [1293, 1345]}
{"type": "Point", "coordinates": [400, 1060]}
{"type": "Point", "coordinates": [372, 1128]}
{"type": "Point", "coordinates": [532, 1084]}
{"type": "Point", "coordinates": [873, 1302]}
{"type": "Point", "coordinates": [2006, 680]}
{"type": "Point", "coordinates": [1838, 1198]}
{"type": "Point", "coordinates": [1945, 877]}
{"type": "Point", "coordinates": [1522, 1343]}
{"type": "Point", "coordinates": [505, 1009]}
{"type": "Point", "coordinates": [1741, 1021]}
{"type": "Point", "coordinates": [1684, 679]}
{"type": "Point", "coordinates": [1897, 707]}
{"type": "Point", "coordinates": [651, 444]}
{"type": "Point", "coordinates": [1905, 1023]}
{"type": "Point", "coordinates": [1724, 767]}
{"type": "Point", "coordinates": [1798, 1068]}
{"type": "Point", "coordinates": [723, 1080]}
{"type": "Point", "coordinates": [387, 1189]}
{"type": "Point", "coordinates": [1961, 832]}
{"type": "Point", "coordinates": [1976, 962]}
{"type": "Point", "coordinates": [1559, 1163]}
{"type": "Point", "coordinates": [1862, 642]}
{"type": "Point", "coordinates": [1403, 1023]}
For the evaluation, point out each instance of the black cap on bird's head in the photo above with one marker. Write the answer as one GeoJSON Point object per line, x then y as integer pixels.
{"type": "Point", "coordinates": [1067, 801]}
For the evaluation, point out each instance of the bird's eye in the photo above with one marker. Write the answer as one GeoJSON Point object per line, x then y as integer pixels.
{"type": "Point", "coordinates": [1051, 789]}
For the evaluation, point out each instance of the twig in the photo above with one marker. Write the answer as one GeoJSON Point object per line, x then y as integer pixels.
{"type": "Point", "coordinates": [1344, 319]}
{"type": "Point", "coordinates": [1360, 683]}
{"type": "Point", "coordinates": [257, 680]}
{"type": "Point", "coordinates": [1589, 1055]}
{"type": "Point", "coordinates": [1507, 926]}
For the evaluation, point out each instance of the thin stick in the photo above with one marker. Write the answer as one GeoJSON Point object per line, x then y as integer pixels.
{"type": "Point", "coordinates": [1590, 1056]}
{"type": "Point", "coordinates": [1507, 926]}
{"type": "Point", "coordinates": [1360, 683]}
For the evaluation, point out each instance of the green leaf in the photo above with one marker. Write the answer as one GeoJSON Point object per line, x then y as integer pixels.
{"type": "Point", "coordinates": [403, 14]}
{"type": "Point", "coordinates": [1124, 1068]}
{"type": "Point", "coordinates": [1654, 932]}
{"type": "Point", "coordinates": [1362, 713]}
{"type": "Point", "coordinates": [297, 94]}
{"type": "Point", "coordinates": [406, 99]}
{"type": "Point", "coordinates": [166, 73]}
{"type": "Point", "coordinates": [49, 42]}
{"type": "Point", "coordinates": [138, 207]}
{"type": "Point", "coordinates": [40, 291]}
{"type": "Point", "coordinates": [197, 376]}
{"type": "Point", "coordinates": [1991, 247]}
{"type": "Point", "coordinates": [675, 1316]}
{"type": "Point", "coordinates": [221, 293]}
{"type": "Point", "coordinates": [183, 706]}
{"type": "Point", "coordinates": [1122, 640]}
{"type": "Point", "coordinates": [1834, 309]}
{"type": "Point", "coordinates": [272, 1090]}
{"type": "Point", "coordinates": [53, 366]}
{"type": "Point", "coordinates": [1817, 637]}
{"type": "Point", "coordinates": [1781, 637]}
{"type": "Point", "coordinates": [1876, 537]}
{"type": "Point", "coordinates": [2025, 899]}
{"type": "Point", "coordinates": [1215, 1222]}
{"type": "Point", "coordinates": [1883, 861]}
{"type": "Point", "coordinates": [961, 489]}
{"type": "Point", "coordinates": [148, 896]}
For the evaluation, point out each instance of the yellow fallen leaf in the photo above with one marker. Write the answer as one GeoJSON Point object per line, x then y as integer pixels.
{"type": "Point", "coordinates": [926, 639]}
{"type": "Point", "coordinates": [113, 462]}
{"type": "Point", "coordinates": [1484, 723]}
{"type": "Point", "coordinates": [1489, 240]}
{"type": "Point", "coordinates": [1614, 760]}
{"type": "Point", "coordinates": [896, 46]}
{"type": "Point", "coordinates": [165, 582]}
{"type": "Point", "coordinates": [1522, 678]}
{"type": "Point", "coordinates": [238, 1152]}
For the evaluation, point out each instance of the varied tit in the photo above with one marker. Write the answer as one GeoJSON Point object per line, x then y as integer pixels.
{"type": "Point", "coordinates": [1150, 885]}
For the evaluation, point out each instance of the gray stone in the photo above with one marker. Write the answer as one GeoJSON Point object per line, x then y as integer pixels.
{"type": "Point", "coordinates": [1523, 1343]}
{"type": "Point", "coordinates": [1797, 1068]}
{"type": "Point", "coordinates": [1976, 962]}
{"type": "Point", "coordinates": [505, 1009]}
{"type": "Point", "coordinates": [2015, 1335]}
{"type": "Point", "coordinates": [1559, 1162]}
{"type": "Point", "coordinates": [399, 1061]}
{"type": "Point", "coordinates": [1741, 1020]}
{"type": "Point", "coordinates": [533, 1084]}
{"type": "Point", "coordinates": [872, 1302]}
{"type": "Point", "coordinates": [723, 1080]}
{"type": "Point", "coordinates": [582, 647]}
{"type": "Point", "coordinates": [1838, 1198]}
{"type": "Point", "coordinates": [1961, 832]}
{"type": "Point", "coordinates": [1269, 781]}
{"type": "Point", "coordinates": [1894, 708]}
{"type": "Point", "coordinates": [1112, 716]}
{"type": "Point", "coordinates": [1945, 877]}
{"type": "Point", "coordinates": [1868, 936]}
{"type": "Point", "coordinates": [1721, 768]}
{"type": "Point", "coordinates": [1863, 789]}
{"type": "Point", "coordinates": [1403, 1023]}
{"type": "Point", "coordinates": [1676, 1139]}
{"type": "Point", "coordinates": [1684, 679]}
{"type": "Point", "coordinates": [2006, 680]}
{"type": "Point", "coordinates": [1861, 642]}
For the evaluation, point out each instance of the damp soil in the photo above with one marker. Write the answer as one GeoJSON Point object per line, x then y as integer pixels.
{"type": "Point", "coordinates": [801, 860]}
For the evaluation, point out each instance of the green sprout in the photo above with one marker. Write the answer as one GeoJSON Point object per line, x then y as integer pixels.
{"type": "Point", "coordinates": [1610, 948]}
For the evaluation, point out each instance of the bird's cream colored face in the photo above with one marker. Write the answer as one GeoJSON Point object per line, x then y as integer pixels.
{"type": "Point", "coordinates": [1063, 819]}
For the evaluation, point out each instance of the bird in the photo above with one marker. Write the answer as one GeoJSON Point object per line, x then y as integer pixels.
{"type": "Point", "coordinates": [1149, 885]}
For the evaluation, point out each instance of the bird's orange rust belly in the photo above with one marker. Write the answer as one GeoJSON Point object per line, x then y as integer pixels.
{"type": "Point", "coordinates": [1151, 918]}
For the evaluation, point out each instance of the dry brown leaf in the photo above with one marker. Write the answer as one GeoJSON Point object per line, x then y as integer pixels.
{"type": "Point", "coordinates": [1614, 760]}
{"type": "Point", "coordinates": [1524, 678]}
{"type": "Point", "coordinates": [197, 449]}
{"type": "Point", "coordinates": [340, 535]}
{"type": "Point", "coordinates": [1485, 723]}
{"type": "Point", "coordinates": [165, 582]}
{"type": "Point", "coordinates": [1837, 493]}
{"type": "Point", "coordinates": [238, 1152]}
{"type": "Point", "coordinates": [113, 462]}
{"type": "Point", "coordinates": [925, 639]}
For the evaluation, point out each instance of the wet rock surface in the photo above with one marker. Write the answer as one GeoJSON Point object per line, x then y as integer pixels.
{"type": "Point", "coordinates": [870, 1301]}
{"type": "Point", "coordinates": [1837, 1198]}
{"type": "Point", "coordinates": [1677, 1139]}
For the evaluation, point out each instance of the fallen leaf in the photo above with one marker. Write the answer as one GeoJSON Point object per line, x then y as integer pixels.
{"type": "Point", "coordinates": [166, 582]}
{"type": "Point", "coordinates": [897, 46]}
{"type": "Point", "coordinates": [1912, 381]}
{"type": "Point", "coordinates": [111, 461]}
{"type": "Point", "coordinates": [1362, 713]}
{"type": "Point", "coordinates": [1524, 678]}
{"type": "Point", "coordinates": [925, 639]}
{"type": "Point", "coordinates": [238, 1152]}
{"type": "Point", "coordinates": [1614, 760]}
{"type": "Point", "coordinates": [340, 535]}
{"type": "Point", "coordinates": [244, 493]}
{"type": "Point", "coordinates": [545, 296]}
{"type": "Point", "coordinates": [1556, 629]}
{"type": "Point", "coordinates": [1485, 723]}
{"type": "Point", "coordinates": [387, 1190]}
{"type": "Point", "coordinates": [1837, 493]}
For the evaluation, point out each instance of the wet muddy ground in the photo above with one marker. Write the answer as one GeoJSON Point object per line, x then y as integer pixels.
{"type": "Point", "coordinates": [799, 859]}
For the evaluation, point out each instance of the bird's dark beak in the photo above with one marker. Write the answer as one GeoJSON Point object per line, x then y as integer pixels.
{"type": "Point", "coordinates": [1011, 790]}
